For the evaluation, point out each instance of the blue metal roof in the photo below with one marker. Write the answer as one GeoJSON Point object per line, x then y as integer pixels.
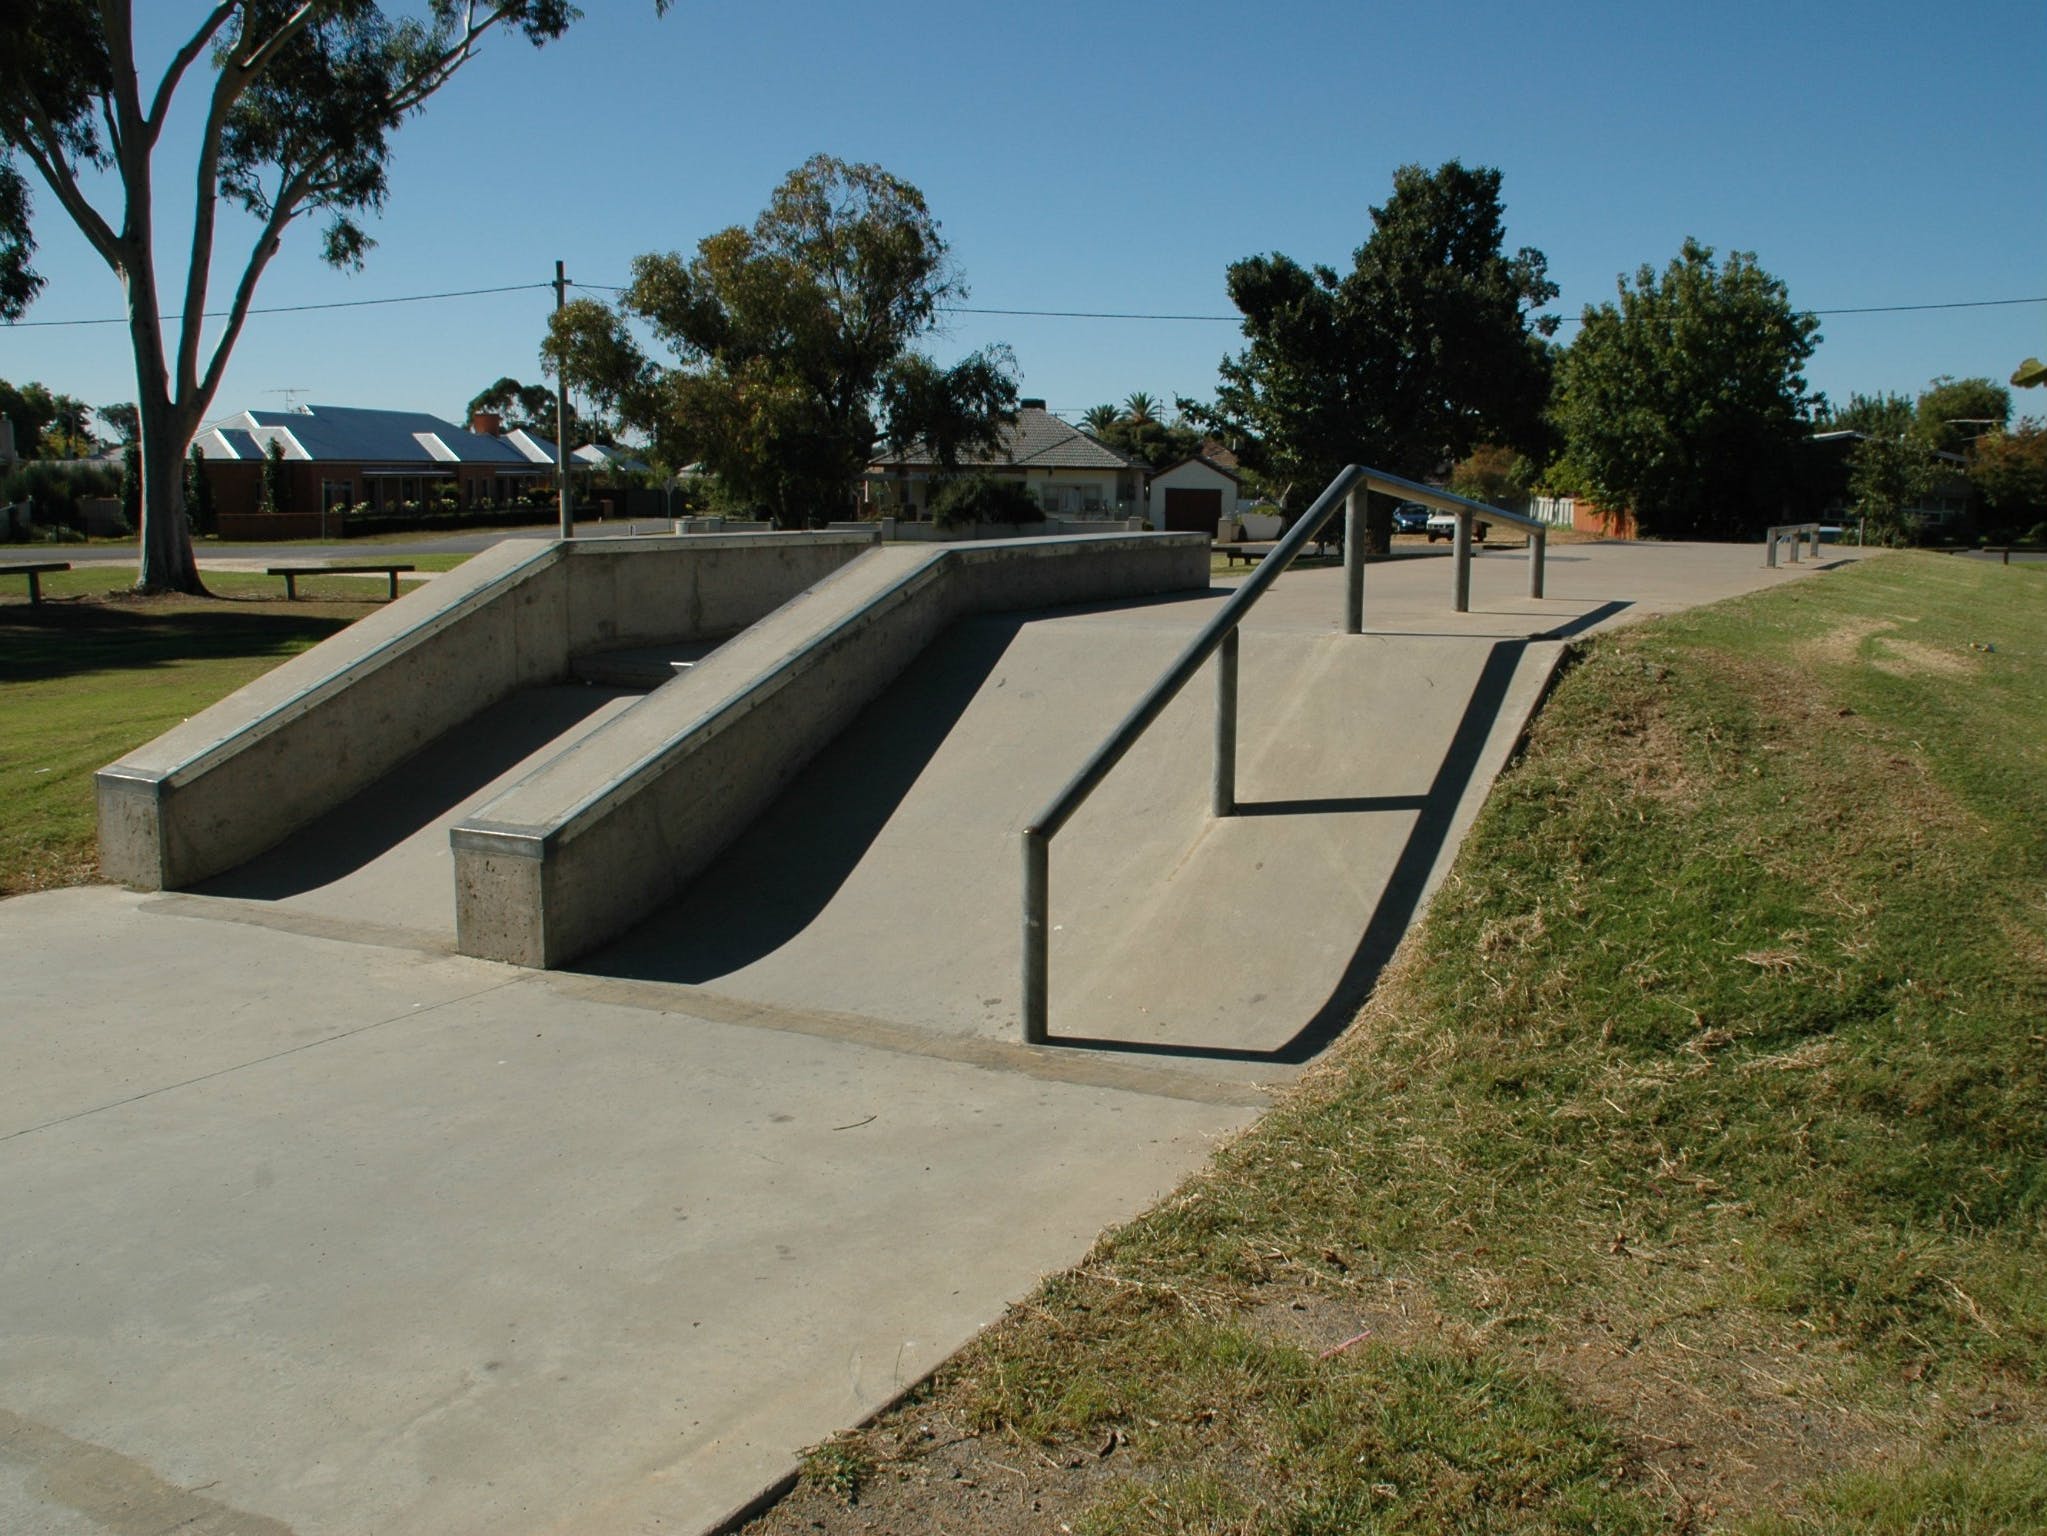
{"type": "Point", "coordinates": [346, 434]}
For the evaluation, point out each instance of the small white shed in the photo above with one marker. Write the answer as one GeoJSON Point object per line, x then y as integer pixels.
{"type": "Point", "coordinates": [1194, 495]}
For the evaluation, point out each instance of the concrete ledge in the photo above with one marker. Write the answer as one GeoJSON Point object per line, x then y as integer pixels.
{"type": "Point", "coordinates": [584, 848]}
{"type": "Point", "coordinates": [243, 774]}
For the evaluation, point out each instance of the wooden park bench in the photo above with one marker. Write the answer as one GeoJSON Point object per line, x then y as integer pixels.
{"type": "Point", "coordinates": [34, 573]}
{"type": "Point", "coordinates": [291, 574]}
{"type": "Point", "coordinates": [1248, 553]}
{"type": "Point", "coordinates": [1252, 552]}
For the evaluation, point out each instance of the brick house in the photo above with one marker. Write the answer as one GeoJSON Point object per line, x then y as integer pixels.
{"type": "Point", "coordinates": [342, 456]}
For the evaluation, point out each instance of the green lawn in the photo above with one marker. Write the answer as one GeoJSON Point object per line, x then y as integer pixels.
{"type": "Point", "coordinates": [1686, 1172]}
{"type": "Point", "coordinates": [93, 672]}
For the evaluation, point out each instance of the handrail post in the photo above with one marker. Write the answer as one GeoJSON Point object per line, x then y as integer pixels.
{"type": "Point", "coordinates": [1538, 556]}
{"type": "Point", "coordinates": [1460, 556]}
{"type": "Point", "coordinates": [1037, 872]}
{"type": "Point", "coordinates": [1354, 562]}
{"type": "Point", "coordinates": [1223, 800]}
{"type": "Point", "coordinates": [1797, 539]}
{"type": "Point", "coordinates": [1770, 548]}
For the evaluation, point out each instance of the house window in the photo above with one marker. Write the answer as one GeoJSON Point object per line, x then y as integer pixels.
{"type": "Point", "coordinates": [336, 493]}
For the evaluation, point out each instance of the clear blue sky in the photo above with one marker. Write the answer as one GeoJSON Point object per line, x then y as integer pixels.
{"type": "Point", "coordinates": [1119, 156]}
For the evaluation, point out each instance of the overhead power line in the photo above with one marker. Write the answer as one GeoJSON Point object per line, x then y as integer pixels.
{"type": "Point", "coordinates": [1093, 314]}
{"type": "Point", "coordinates": [953, 309]}
{"type": "Point", "coordinates": [299, 309]}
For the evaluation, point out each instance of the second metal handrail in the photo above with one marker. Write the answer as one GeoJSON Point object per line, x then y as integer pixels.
{"type": "Point", "coordinates": [1218, 637]}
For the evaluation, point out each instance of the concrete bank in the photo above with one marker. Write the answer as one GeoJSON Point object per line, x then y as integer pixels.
{"type": "Point", "coordinates": [239, 776]}
{"type": "Point", "coordinates": [585, 847]}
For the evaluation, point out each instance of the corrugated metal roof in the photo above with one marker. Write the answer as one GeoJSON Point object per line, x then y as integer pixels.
{"type": "Point", "coordinates": [344, 434]}
{"type": "Point", "coordinates": [228, 443]}
{"type": "Point", "coordinates": [531, 449]}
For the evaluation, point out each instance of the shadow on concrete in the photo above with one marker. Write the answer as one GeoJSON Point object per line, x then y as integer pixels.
{"type": "Point", "coordinates": [1336, 805]}
{"type": "Point", "coordinates": [419, 791]}
{"type": "Point", "coordinates": [1588, 620]}
{"type": "Point", "coordinates": [782, 872]}
{"type": "Point", "coordinates": [1397, 906]}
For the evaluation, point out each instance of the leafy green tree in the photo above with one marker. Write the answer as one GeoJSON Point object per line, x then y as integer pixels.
{"type": "Point", "coordinates": [1953, 413]}
{"type": "Point", "coordinates": [1426, 347]}
{"type": "Point", "coordinates": [123, 420]}
{"type": "Point", "coordinates": [1494, 474]}
{"type": "Point", "coordinates": [302, 99]}
{"type": "Point", "coordinates": [68, 434]}
{"type": "Point", "coordinates": [2009, 470]}
{"type": "Point", "coordinates": [949, 413]}
{"type": "Point", "coordinates": [530, 407]}
{"type": "Point", "coordinates": [1138, 431]}
{"type": "Point", "coordinates": [794, 344]}
{"type": "Point", "coordinates": [1686, 402]}
{"type": "Point", "coordinates": [1883, 413]}
{"type": "Point", "coordinates": [1888, 473]}
{"type": "Point", "coordinates": [1099, 418]}
{"type": "Point", "coordinates": [27, 408]}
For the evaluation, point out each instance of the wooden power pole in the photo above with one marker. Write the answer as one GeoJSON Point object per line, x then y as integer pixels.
{"type": "Point", "coordinates": [561, 420]}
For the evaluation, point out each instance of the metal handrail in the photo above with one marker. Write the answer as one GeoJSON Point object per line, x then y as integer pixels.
{"type": "Point", "coordinates": [1218, 637]}
{"type": "Point", "coordinates": [1796, 533]}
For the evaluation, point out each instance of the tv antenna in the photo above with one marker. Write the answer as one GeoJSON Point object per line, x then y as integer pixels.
{"type": "Point", "coordinates": [291, 395]}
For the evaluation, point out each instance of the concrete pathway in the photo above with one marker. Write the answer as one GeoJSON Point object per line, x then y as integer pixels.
{"type": "Point", "coordinates": [313, 1227]}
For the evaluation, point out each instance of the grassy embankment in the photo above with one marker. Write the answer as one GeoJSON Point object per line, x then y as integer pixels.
{"type": "Point", "coordinates": [93, 673]}
{"type": "Point", "coordinates": [1688, 1170]}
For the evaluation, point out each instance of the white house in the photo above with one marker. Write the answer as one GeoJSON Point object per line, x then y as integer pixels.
{"type": "Point", "coordinates": [1195, 495]}
{"type": "Point", "coordinates": [1070, 473]}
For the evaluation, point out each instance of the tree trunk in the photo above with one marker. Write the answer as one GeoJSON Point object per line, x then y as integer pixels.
{"type": "Point", "coordinates": [166, 537]}
{"type": "Point", "coordinates": [1378, 524]}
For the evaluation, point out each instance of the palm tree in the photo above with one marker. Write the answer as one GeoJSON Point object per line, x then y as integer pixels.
{"type": "Point", "coordinates": [1099, 418]}
{"type": "Point", "coordinates": [1140, 408]}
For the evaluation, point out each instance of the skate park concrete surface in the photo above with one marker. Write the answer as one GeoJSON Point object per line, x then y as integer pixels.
{"type": "Point", "coordinates": [313, 1226]}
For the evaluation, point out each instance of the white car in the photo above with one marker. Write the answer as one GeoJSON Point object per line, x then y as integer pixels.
{"type": "Point", "coordinates": [1443, 525]}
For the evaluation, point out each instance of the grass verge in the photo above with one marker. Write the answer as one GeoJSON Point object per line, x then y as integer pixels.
{"type": "Point", "coordinates": [1686, 1171]}
{"type": "Point", "coordinates": [94, 672]}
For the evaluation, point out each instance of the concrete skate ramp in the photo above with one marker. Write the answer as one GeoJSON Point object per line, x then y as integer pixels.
{"type": "Point", "coordinates": [243, 774]}
{"type": "Point", "coordinates": [377, 868]}
{"type": "Point", "coordinates": [575, 853]}
{"type": "Point", "coordinates": [884, 885]}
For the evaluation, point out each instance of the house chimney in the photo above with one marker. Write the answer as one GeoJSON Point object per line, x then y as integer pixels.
{"type": "Point", "coordinates": [486, 423]}
{"type": "Point", "coordinates": [1030, 405]}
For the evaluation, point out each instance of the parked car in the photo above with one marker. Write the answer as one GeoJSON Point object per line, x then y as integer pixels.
{"type": "Point", "coordinates": [1410, 517]}
{"type": "Point", "coordinates": [1443, 525]}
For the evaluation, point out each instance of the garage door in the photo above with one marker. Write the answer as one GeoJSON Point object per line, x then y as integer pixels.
{"type": "Point", "coordinates": [1193, 511]}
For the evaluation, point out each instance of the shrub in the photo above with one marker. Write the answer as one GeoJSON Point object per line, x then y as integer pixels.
{"type": "Point", "coordinates": [199, 494]}
{"type": "Point", "coordinates": [55, 489]}
{"type": "Point", "coordinates": [972, 499]}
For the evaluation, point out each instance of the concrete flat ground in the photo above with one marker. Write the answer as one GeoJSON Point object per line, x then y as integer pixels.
{"type": "Point", "coordinates": [313, 1227]}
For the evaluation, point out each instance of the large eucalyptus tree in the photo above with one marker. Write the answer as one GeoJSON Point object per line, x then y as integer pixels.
{"type": "Point", "coordinates": [301, 99]}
